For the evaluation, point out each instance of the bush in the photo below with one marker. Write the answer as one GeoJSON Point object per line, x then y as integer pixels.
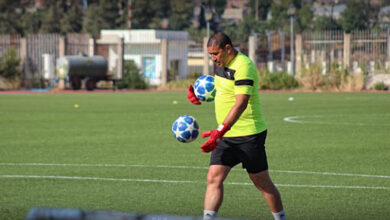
{"type": "Point", "coordinates": [267, 80]}
{"type": "Point", "coordinates": [180, 84]}
{"type": "Point", "coordinates": [380, 86]}
{"type": "Point", "coordinates": [354, 82]}
{"type": "Point", "coordinates": [9, 65]}
{"type": "Point", "coordinates": [312, 77]}
{"type": "Point", "coordinates": [194, 75]}
{"type": "Point", "coordinates": [336, 77]}
{"type": "Point", "coordinates": [131, 78]}
{"type": "Point", "coordinates": [276, 81]}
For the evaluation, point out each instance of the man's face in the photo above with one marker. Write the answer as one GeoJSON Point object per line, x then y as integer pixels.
{"type": "Point", "coordinates": [218, 56]}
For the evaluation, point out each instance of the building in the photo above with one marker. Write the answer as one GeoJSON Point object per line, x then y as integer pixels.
{"type": "Point", "coordinates": [328, 10]}
{"type": "Point", "coordinates": [235, 10]}
{"type": "Point", "coordinates": [146, 49]}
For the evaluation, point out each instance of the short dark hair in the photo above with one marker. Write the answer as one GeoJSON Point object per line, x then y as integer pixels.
{"type": "Point", "coordinates": [219, 39]}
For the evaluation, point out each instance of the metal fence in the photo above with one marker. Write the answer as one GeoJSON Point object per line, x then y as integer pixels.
{"type": "Point", "coordinates": [39, 44]}
{"type": "Point", "coordinates": [36, 46]}
{"type": "Point", "coordinates": [9, 41]}
{"type": "Point", "coordinates": [270, 47]}
{"type": "Point", "coordinates": [364, 49]}
{"type": "Point", "coordinates": [77, 44]}
{"type": "Point", "coordinates": [368, 48]}
{"type": "Point", "coordinates": [325, 45]}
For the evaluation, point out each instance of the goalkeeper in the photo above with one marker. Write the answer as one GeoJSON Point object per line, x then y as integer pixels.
{"type": "Point", "coordinates": [241, 134]}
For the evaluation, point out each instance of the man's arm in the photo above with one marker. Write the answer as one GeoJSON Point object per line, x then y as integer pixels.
{"type": "Point", "coordinates": [236, 111]}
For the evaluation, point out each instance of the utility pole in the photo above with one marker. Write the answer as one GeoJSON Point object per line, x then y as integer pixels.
{"type": "Point", "coordinates": [291, 12]}
{"type": "Point", "coordinates": [129, 2]}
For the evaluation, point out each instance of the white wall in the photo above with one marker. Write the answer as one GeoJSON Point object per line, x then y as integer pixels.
{"type": "Point", "coordinates": [179, 51]}
{"type": "Point", "coordinates": [147, 43]}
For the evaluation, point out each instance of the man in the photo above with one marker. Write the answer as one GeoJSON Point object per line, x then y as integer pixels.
{"type": "Point", "coordinates": [241, 134]}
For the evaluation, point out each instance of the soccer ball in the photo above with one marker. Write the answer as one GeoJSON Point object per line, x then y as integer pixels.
{"type": "Point", "coordinates": [204, 88]}
{"type": "Point", "coordinates": [185, 128]}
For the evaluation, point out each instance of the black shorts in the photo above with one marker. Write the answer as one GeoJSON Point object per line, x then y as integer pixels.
{"type": "Point", "coordinates": [248, 150]}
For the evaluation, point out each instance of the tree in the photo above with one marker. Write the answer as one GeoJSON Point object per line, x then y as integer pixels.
{"type": "Point", "coordinates": [279, 17]}
{"type": "Point", "coordinates": [263, 7]}
{"type": "Point", "coordinates": [71, 21]}
{"type": "Point", "coordinates": [245, 28]}
{"type": "Point", "coordinates": [51, 19]}
{"type": "Point", "coordinates": [325, 23]}
{"type": "Point", "coordinates": [304, 18]}
{"type": "Point", "coordinates": [131, 77]}
{"type": "Point", "coordinates": [91, 23]}
{"type": "Point", "coordinates": [150, 14]}
{"type": "Point", "coordinates": [142, 14]}
{"type": "Point", "coordinates": [162, 11]}
{"type": "Point", "coordinates": [122, 20]}
{"type": "Point", "coordinates": [31, 22]}
{"type": "Point", "coordinates": [9, 18]}
{"type": "Point", "coordinates": [101, 16]}
{"type": "Point", "coordinates": [218, 6]}
{"type": "Point", "coordinates": [196, 34]}
{"type": "Point", "coordinates": [180, 15]}
{"type": "Point", "coordinates": [356, 16]}
{"type": "Point", "coordinates": [108, 11]}
{"type": "Point", "coordinates": [9, 65]}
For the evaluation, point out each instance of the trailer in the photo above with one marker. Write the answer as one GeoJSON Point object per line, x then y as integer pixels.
{"type": "Point", "coordinates": [82, 69]}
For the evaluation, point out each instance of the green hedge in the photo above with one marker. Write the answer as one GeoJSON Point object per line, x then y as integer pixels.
{"type": "Point", "coordinates": [380, 86]}
{"type": "Point", "coordinates": [132, 79]}
{"type": "Point", "coordinates": [9, 65]}
{"type": "Point", "coordinates": [180, 84]}
{"type": "Point", "coordinates": [276, 80]}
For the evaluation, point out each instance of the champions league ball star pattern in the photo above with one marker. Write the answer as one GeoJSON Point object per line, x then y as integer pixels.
{"type": "Point", "coordinates": [204, 88]}
{"type": "Point", "coordinates": [185, 128]}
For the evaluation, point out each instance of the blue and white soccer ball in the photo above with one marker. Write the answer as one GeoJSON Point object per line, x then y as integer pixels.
{"type": "Point", "coordinates": [204, 88]}
{"type": "Point", "coordinates": [185, 128]}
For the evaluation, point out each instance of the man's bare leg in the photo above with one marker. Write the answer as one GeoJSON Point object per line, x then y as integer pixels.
{"type": "Point", "coordinates": [214, 191]}
{"type": "Point", "coordinates": [270, 193]}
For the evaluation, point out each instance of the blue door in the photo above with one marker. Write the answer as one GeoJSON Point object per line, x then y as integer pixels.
{"type": "Point", "coordinates": [149, 67]}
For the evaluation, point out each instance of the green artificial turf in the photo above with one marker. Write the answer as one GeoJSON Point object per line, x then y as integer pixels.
{"type": "Point", "coordinates": [116, 152]}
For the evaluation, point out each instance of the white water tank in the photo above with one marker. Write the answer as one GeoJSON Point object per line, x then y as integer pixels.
{"type": "Point", "coordinates": [48, 66]}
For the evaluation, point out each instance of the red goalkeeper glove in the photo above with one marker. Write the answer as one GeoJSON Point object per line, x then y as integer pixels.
{"type": "Point", "coordinates": [191, 96]}
{"type": "Point", "coordinates": [215, 137]}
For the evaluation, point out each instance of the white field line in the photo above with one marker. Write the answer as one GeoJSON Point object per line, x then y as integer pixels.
{"type": "Point", "coordinates": [300, 120]}
{"type": "Point", "coordinates": [102, 165]}
{"type": "Point", "coordinates": [183, 181]}
{"type": "Point", "coordinates": [191, 167]}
